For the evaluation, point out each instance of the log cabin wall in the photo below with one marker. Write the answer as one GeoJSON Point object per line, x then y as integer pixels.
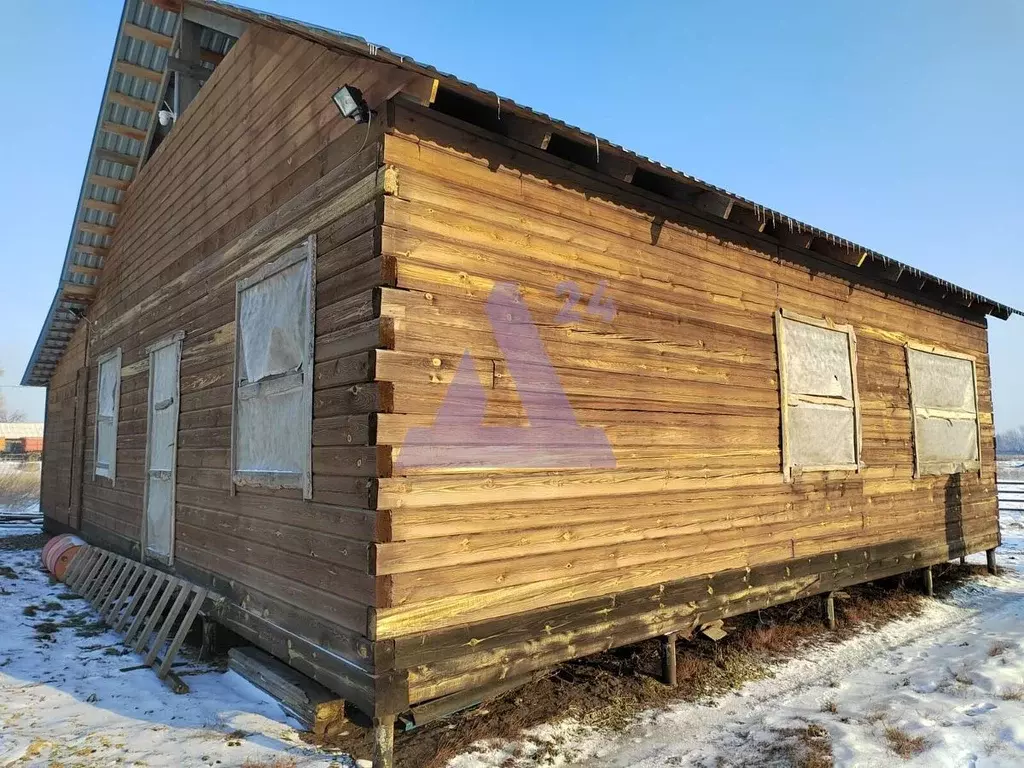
{"type": "Point", "coordinates": [59, 491]}
{"type": "Point", "coordinates": [490, 574]}
{"type": "Point", "coordinates": [260, 161]}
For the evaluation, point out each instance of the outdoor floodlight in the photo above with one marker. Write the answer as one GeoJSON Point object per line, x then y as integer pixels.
{"type": "Point", "coordinates": [349, 100]}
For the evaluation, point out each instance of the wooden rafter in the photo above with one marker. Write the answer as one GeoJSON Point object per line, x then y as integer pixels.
{"type": "Point", "coordinates": [124, 130]}
{"type": "Point", "coordinates": [148, 35]}
{"type": "Point", "coordinates": [115, 157]}
{"type": "Point", "coordinates": [77, 289]}
{"type": "Point", "coordinates": [100, 205]}
{"type": "Point", "coordinates": [107, 181]}
{"type": "Point", "coordinates": [714, 203]}
{"type": "Point", "coordinates": [134, 70]}
{"type": "Point", "coordinates": [130, 101]}
{"type": "Point", "coordinates": [90, 250]}
{"type": "Point", "coordinates": [188, 69]}
{"type": "Point", "coordinates": [81, 270]}
{"type": "Point", "coordinates": [96, 229]}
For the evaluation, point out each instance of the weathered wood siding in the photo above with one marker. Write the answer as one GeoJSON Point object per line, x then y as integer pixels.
{"type": "Point", "coordinates": [260, 160]}
{"type": "Point", "coordinates": [59, 454]}
{"type": "Point", "coordinates": [487, 574]}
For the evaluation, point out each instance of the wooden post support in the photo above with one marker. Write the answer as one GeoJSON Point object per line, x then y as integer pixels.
{"type": "Point", "coordinates": [209, 646]}
{"type": "Point", "coordinates": [830, 609]}
{"type": "Point", "coordinates": [929, 587]}
{"type": "Point", "coordinates": [963, 560]}
{"type": "Point", "coordinates": [668, 659]}
{"type": "Point", "coordinates": [384, 741]}
{"type": "Point", "coordinates": [990, 556]}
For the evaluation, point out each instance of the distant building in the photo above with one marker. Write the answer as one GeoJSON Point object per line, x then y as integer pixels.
{"type": "Point", "coordinates": [19, 438]}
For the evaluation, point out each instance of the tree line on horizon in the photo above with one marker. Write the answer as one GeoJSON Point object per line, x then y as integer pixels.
{"type": "Point", "coordinates": [1010, 442]}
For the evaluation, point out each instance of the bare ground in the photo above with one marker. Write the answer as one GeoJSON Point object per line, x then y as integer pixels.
{"type": "Point", "coordinates": [610, 689]}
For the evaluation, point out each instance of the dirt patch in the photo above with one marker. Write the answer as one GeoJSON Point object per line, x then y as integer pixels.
{"type": "Point", "coordinates": [24, 541]}
{"type": "Point", "coordinates": [608, 690]}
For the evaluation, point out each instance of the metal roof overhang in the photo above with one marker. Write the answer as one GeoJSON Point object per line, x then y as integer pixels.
{"type": "Point", "coordinates": [116, 160]}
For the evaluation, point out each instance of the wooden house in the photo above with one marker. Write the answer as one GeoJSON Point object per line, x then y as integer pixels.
{"type": "Point", "coordinates": [435, 391]}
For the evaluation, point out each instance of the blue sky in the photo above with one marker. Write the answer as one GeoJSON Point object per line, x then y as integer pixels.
{"type": "Point", "coordinates": [894, 123]}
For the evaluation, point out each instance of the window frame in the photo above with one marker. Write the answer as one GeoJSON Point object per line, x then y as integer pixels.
{"type": "Point", "coordinates": [938, 469]}
{"type": "Point", "coordinates": [305, 250]}
{"type": "Point", "coordinates": [787, 398]}
{"type": "Point", "coordinates": [111, 471]}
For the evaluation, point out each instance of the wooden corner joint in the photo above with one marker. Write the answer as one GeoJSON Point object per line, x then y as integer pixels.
{"type": "Point", "coordinates": [390, 180]}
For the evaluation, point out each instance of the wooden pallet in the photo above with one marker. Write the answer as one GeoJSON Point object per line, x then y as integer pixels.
{"type": "Point", "coordinates": [133, 599]}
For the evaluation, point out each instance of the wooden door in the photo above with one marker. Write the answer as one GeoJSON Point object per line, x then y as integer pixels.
{"type": "Point", "coordinates": [161, 449]}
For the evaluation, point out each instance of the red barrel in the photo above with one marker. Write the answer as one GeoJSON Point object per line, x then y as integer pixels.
{"type": "Point", "coordinates": [48, 547]}
{"type": "Point", "coordinates": [59, 552]}
{"type": "Point", "coordinates": [63, 561]}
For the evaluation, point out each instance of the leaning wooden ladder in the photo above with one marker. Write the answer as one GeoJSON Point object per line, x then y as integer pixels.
{"type": "Point", "coordinates": [133, 599]}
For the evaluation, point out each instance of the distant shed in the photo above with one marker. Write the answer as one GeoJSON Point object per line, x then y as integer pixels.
{"type": "Point", "coordinates": [444, 397]}
{"type": "Point", "coordinates": [21, 437]}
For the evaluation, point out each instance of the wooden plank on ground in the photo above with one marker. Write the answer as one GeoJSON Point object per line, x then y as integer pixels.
{"type": "Point", "coordinates": [319, 709]}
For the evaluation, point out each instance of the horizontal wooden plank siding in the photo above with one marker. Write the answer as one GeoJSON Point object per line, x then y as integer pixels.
{"type": "Point", "coordinates": [56, 491]}
{"type": "Point", "coordinates": [683, 380]}
{"type": "Point", "coordinates": [260, 161]}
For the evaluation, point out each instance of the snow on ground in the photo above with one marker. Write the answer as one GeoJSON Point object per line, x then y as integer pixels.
{"type": "Point", "coordinates": [953, 675]}
{"type": "Point", "coordinates": [67, 701]}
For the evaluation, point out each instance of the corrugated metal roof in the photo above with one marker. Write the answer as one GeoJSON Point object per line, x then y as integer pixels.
{"type": "Point", "coordinates": [128, 106]}
{"type": "Point", "coordinates": [19, 429]}
{"type": "Point", "coordinates": [134, 83]}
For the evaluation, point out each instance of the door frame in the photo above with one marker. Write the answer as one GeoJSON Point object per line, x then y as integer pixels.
{"type": "Point", "coordinates": [175, 339]}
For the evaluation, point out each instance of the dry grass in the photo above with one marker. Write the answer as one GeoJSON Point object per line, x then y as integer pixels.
{"type": "Point", "coordinates": [1013, 693]}
{"type": "Point", "coordinates": [813, 748]}
{"type": "Point", "coordinates": [903, 744]}
{"type": "Point", "coordinates": [830, 706]}
{"type": "Point", "coordinates": [277, 762]}
{"type": "Point", "coordinates": [19, 486]}
{"type": "Point", "coordinates": [999, 648]}
{"type": "Point", "coordinates": [809, 747]}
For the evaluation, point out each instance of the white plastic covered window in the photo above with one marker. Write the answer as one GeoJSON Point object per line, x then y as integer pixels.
{"type": "Point", "coordinates": [944, 401]}
{"type": "Point", "coordinates": [108, 401]}
{"type": "Point", "coordinates": [273, 399]}
{"type": "Point", "coordinates": [818, 386]}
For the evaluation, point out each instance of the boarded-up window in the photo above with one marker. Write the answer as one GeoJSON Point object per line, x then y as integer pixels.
{"type": "Point", "coordinates": [943, 397]}
{"type": "Point", "coordinates": [108, 401]}
{"type": "Point", "coordinates": [273, 404]}
{"type": "Point", "coordinates": [818, 386]}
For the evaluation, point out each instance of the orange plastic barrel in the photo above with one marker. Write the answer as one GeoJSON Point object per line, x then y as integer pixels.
{"type": "Point", "coordinates": [48, 547]}
{"type": "Point", "coordinates": [59, 552]}
{"type": "Point", "coordinates": [63, 561]}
